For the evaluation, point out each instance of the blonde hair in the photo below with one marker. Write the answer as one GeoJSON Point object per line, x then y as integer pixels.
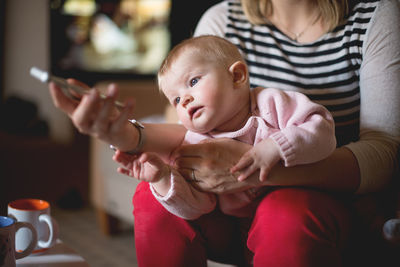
{"type": "Point", "coordinates": [212, 48]}
{"type": "Point", "coordinates": [332, 11]}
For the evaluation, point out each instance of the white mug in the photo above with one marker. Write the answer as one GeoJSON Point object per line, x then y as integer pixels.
{"type": "Point", "coordinates": [37, 213]}
{"type": "Point", "coordinates": [8, 229]}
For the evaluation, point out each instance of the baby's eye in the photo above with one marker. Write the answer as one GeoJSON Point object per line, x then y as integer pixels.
{"type": "Point", "coordinates": [194, 81]}
{"type": "Point", "coordinates": [177, 100]}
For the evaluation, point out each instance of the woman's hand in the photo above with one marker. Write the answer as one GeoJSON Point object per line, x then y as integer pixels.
{"type": "Point", "coordinates": [63, 102]}
{"type": "Point", "coordinates": [98, 117]}
{"type": "Point", "coordinates": [211, 162]}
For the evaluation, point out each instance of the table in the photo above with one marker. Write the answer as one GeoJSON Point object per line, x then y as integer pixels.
{"type": "Point", "coordinates": [58, 256]}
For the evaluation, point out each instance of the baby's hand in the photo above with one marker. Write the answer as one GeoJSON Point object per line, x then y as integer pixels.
{"type": "Point", "coordinates": [146, 167]}
{"type": "Point", "coordinates": [263, 156]}
{"type": "Point", "coordinates": [125, 160]}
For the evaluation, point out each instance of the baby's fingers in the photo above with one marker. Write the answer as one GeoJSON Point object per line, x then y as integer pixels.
{"type": "Point", "coordinates": [152, 159]}
{"type": "Point", "coordinates": [123, 158]}
{"type": "Point", "coordinates": [246, 173]}
{"type": "Point", "coordinates": [244, 162]}
{"type": "Point", "coordinates": [263, 174]}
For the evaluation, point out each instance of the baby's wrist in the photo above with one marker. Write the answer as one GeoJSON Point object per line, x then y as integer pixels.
{"type": "Point", "coordinates": [277, 151]}
{"type": "Point", "coordinates": [163, 185]}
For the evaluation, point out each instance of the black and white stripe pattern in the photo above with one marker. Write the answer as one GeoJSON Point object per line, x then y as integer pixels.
{"type": "Point", "coordinates": [327, 70]}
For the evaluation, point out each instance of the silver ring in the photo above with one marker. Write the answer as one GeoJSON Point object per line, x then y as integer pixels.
{"type": "Point", "coordinates": [194, 177]}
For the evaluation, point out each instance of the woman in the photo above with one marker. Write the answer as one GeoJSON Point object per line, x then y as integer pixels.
{"type": "Point", "coordinates": [342, 55]}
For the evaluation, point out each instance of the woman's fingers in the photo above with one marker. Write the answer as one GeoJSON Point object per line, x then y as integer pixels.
{"type": "Point", "coordinates": [103, 121]}
{"type": "Point", "coordinates": [85, 112]}
{"type": "Point", "coordinates": [99, 117]}
{"type": "Point", "coordinates": [189, 162]}
{"type": "Point", "coordinates": [125, 114]}
{"type": "Point", "coordinates": [62, 101]}
{"type": "Point", "coordinates": [196, 156]}
{"type": "Point", "coordinates": [93, 115]}
{"type": "Point", "coordinates": [186, 165]}
{"type": "Point", "coordinates": [110, 121]}
{"type": "Point", "coordinates": [78, 83]}
{"type": "Point", "coordinates": [194, 150]}
{"type": "Point", "coordinates": [188, 174]}
{"type": "Point", "coordinates": [212, 161]}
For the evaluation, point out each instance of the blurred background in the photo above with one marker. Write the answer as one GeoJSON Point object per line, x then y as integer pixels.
{"type": "Point", "coordinates": [41, 154]}
{"type": "Point", "coordinates": [98, 42]}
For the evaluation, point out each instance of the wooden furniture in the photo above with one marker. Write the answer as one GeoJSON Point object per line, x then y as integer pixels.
{"type": "Point", "coordinates": [38, 167]}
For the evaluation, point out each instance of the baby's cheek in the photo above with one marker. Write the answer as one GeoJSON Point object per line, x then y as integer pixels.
{"type": "Point", "coordinates": [185, 122]}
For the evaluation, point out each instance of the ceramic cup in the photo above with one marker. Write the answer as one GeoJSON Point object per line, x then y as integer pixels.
{"type": "Point", "coordinates": [37, 213]}
{"type": "Point", "coordinates": [8, 229]}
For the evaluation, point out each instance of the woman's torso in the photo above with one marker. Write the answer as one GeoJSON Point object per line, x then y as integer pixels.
{"type": "Point", "coordinates": [326, 70]}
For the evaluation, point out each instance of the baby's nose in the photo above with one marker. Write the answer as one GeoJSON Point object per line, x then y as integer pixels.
{"type": "Point", "coordinates": [187, 99]}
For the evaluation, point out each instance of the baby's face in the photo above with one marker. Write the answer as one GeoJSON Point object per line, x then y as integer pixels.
{"type": "Point", "coordinates": [201, 91]}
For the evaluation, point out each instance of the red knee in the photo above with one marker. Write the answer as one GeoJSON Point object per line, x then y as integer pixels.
{"type": "Point", "coordinates": [161, 238]}
{"type": "Point", "coordinates": [298, 227]}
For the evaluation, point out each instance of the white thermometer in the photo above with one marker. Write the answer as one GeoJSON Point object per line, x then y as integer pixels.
{"type": "Point", "coordinates": [44, 77]}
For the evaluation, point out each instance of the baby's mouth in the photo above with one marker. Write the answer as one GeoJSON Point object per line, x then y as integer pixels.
{"type": "Point", "coordinates": [195, 111]}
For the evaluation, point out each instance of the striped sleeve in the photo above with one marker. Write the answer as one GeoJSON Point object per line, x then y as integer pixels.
{"type": "Point", "coordinates": [377, 150]}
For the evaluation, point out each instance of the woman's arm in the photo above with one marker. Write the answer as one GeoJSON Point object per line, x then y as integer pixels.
{"type": "Point", "coordinates": [339, 173]}
{"type": "Point", "coordinates": [100, 119]}
{"type": "Point", "coordinates": [378, 147]}
{"type": "Point", "coordinates": [213, 159]}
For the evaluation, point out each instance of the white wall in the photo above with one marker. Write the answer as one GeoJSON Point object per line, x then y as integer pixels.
{"type": "Point", "coordinates": [27, 45]}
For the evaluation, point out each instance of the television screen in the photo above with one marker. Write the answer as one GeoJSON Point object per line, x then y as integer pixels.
{"type": "Point", "coordinates": [96, 40]}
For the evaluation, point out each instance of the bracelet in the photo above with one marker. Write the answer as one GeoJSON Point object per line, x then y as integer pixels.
{"type": "Point", "coordinates": [141, 141]}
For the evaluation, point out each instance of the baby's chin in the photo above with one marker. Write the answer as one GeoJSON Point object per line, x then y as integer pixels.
{"type": "Point", "coordinates": [199, 130]}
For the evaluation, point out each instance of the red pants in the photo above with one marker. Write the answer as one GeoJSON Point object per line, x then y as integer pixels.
{"type": "Point", "coordinates": [291, 227]}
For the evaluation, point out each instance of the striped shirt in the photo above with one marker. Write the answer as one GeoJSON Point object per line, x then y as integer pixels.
{"type": "Point", "coordinates": [328, 70]}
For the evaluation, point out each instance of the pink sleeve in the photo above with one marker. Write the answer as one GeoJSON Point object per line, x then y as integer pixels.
{"type": "Point", "coordinates": [305, 131]}
{"type": "Point", "coordinates": [183, 200]}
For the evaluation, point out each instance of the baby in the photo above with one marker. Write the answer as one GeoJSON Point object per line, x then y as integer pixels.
{"type": "Point", "coordinates": [206, 79]}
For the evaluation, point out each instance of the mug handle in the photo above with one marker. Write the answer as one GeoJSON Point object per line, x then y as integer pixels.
{"type": "Point", "coordinates": [53, 231]}
{"type": "Point", "coordinates": [33, 243]}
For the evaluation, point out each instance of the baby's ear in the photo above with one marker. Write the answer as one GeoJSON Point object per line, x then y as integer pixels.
{"type": "Point", "coordinates": [239, 72]}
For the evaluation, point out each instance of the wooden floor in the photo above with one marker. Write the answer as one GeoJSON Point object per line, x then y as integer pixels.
{"type": "Point", "coordinates": [80, 231]}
